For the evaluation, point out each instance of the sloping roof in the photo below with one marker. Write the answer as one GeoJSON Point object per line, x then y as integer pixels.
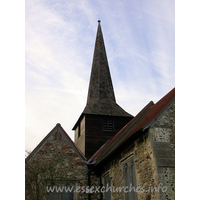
{"type": "Point", "coordinates": [57, 128]}
{"type": "Point", "coordinates": [142, 120]}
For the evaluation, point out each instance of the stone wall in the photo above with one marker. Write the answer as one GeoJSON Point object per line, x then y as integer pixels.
{"type": "Point", "coordinates": [95, 182]}
{"type": "Point", "coordinates": [55, 163]}
{"type": "Point", "coordinates": [153, 155]}
{"type": "Point", "coordinates": [141, 153]}
{"type": "Point", "coordinates": [162, 136]}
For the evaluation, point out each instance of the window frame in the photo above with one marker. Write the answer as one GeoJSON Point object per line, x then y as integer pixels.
{"type": "Point", "coordinates": [128, 167]}
{"type": "Point", "coordinates": [70, 183]}
{"type": "Point", "coordinates": [107, 195]}
{"type": "Point", "coordinates": [108, 125]}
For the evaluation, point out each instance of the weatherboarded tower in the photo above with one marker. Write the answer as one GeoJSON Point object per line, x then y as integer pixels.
{"type": "Point", "coordinates": [102, 117]}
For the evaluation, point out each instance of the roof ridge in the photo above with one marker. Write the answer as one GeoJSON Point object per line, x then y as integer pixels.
{"type": "Point", "coordinates": [153, 113]}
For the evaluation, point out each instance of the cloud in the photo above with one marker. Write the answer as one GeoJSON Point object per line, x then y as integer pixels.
{"type": "Point", "coordinates": [60, 36]}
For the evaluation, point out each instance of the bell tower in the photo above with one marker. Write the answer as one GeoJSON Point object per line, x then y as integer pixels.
{"type": "Point", "coordinates": [102, 117]}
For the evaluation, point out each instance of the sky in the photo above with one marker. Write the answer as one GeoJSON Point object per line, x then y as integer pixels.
{"type": "Point", "coordinates": [139, 37]}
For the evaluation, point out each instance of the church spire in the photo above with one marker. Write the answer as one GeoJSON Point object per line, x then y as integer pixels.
{"type": "Point", "coordinates": [100, 87]}
{"type": "Point", "coordinates": [101, 97]}
{"type": "Point", "coordinates": [102, 117]}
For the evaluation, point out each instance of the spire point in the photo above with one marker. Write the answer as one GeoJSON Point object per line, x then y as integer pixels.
{"type": "Point", "coordinates": [101, 97]}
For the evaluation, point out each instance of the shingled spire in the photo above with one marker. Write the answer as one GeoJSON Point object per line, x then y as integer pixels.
{"type": "Point", "coordinates": [101, 97]}
{"type": "Point", "coordinates": [100, 87]}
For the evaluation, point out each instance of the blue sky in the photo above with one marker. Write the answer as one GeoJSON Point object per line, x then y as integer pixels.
{"type": "Point", "coordinates": [59, 42]}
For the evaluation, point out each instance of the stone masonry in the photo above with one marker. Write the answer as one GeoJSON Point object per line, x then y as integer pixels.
{"type": "Point", "coordinates": [163, 142]}
{"type": "Point", "coordinates": [55, 163]}
{"type": "Point", "coordinates": [153, 155]}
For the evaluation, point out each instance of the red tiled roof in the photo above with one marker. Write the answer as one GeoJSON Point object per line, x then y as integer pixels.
{"type": "Point", "coordinates": [154, 111]}
{"type": "Point", "coordinates": [142, 120]}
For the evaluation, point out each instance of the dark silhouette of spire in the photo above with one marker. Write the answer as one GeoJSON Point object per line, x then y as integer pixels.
{"type": "Point", "coordinates": [101, 97]}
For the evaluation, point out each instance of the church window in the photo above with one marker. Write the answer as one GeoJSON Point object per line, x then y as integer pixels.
{"type": "Point", "coordinates": [129, 178]}
{"type": "Point", "coordinates": [63, 194]}
{"type": "Point", "coordinates": [108, 125]}
{"type": "Point", "coordinates": [133, 176]}
{"type": "Point", "coordinates": [107, 186]}
{"type": "Point", "coordinates": [127, 181]}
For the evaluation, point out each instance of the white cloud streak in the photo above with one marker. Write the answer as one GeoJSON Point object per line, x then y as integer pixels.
{"type": "Point", "coordinates": [60, 36]}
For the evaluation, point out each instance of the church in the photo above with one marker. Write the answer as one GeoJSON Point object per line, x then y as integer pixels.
{"type": "Point", "coordinates": [114, 156]}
